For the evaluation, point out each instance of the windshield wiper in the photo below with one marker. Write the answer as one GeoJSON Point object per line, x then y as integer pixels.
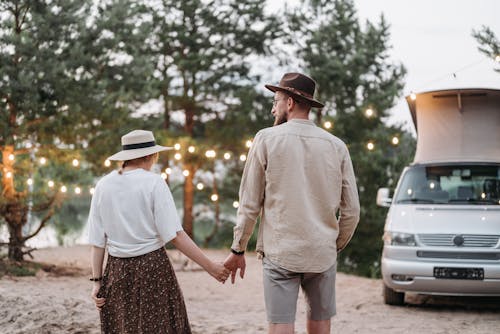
{"type": "Point", "coordinates": [475, 201]}
{"type": "Point", "coordinates": [416, 200]}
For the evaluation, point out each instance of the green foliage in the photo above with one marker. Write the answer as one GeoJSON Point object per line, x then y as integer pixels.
{"type": "Point", "coordinates": [67, 83]}
{"type": "Point", "coordinates": [18, 269]}
{"type": "Point", "coordinates": [488, 43]}
{"type": "Point", "coordinates": [351, 65]}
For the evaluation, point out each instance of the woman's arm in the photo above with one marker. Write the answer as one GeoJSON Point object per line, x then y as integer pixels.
{"type": "Point", "coordinates": [97, 259]}
{"type": "Point", "coordinates": [187, 246]}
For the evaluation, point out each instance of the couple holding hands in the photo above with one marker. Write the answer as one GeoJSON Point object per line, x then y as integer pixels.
{"type": "Point", "coordinates": [298, 177]}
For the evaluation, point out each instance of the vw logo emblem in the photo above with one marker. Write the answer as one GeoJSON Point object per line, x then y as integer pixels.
{"type": "Point", "coordinates": [458, 240]}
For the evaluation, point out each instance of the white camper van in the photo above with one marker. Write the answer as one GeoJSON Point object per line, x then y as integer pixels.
{"type": "Point", "coordinates": [442, 232]}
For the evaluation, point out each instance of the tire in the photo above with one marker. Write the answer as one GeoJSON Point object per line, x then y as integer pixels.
{"type": "Point", "coordinates": [392, 297]}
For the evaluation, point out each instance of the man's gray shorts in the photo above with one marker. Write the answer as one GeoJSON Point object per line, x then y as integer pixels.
{"type": "Point", "coordinates": [281, 289]}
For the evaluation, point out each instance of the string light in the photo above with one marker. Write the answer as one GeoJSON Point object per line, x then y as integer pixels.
{"type": "Point", "coordinates": [177, 146]}
{"type": "Point", "coordinates": [200, 186]}
{"type": "Point", "coordinates": [76, 162]}
{"type": "Point", "coordinates": [92, 190]}
{"type": "Point", "coordinates": [370, 146]}
{"type": "Point", "coordinates": [64, 189]}
{"type": "Point", "coordinates": [164, 176]}
{"type": "Point", "coordinates": [413, 96]}
{"type": "Point", "coordinates": [227, 155]}
{"type": "Point", "coordinates": [395, 140]}
{"type": "Point", "coordinates": [78, 190]}
{"type": "Point", "coordinates": [210, 154]}
{"type": "Point", "coordinates": [11, 157]}
{"type": "Point", "coordinates": [168, 170]}
{"type": "Point", "coordinates": [8, 175]}
{"type": "Point", "coordinates": [177, 156]}
{"type": "Point", "coordinates": [43, 161]}
{"type": "Point", "coordinates": [50, 184]}
{"type": "Point", "coordinates": [248, 143]}
{"type": "Point", "coordinates": [369, 112]}
{"type": "Point", "coordinates": [243, 157]}
{"type": "Point", "coordinates": [483, 195]}
{"type": "Point", "coordinates": [185, 172]}
{"type": "Point", "coordinates": [236, 204]}
{"type": "Point", "coordinates": [191, 149]}
{"type": "Point", "coordinates": [497, 58]}
{"type": "Point", "coordinates": [214, 197]}
{"type": "Point", "coordinates": [29, 181]}
{"type": "Point", "coordinates": [327, 125]}
{"type": "Point", "coordinates": [107, 163]}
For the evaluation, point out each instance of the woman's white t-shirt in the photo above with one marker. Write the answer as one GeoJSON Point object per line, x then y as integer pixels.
{"type": "Point", "coordinates": [132, 213]}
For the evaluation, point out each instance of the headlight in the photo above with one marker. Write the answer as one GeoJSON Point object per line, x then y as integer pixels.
{"type": "Point", "coordinates": [399, 239]}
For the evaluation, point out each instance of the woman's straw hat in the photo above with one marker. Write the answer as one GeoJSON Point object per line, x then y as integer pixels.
{"type": "Point", "coordinates": [137, 144]}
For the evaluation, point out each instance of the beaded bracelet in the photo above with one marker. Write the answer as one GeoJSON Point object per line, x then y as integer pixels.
{"type": "Point", "coordinates": [237, 252]}
{"type": "Point", "coordinates": [95, 279]}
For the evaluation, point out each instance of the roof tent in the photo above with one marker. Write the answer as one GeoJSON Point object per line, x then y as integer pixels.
{"type": "Point", "coordinates": [457, 125]}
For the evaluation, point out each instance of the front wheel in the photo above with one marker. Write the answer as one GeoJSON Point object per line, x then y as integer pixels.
{"type": "Point", "coordinates": [392, 297]}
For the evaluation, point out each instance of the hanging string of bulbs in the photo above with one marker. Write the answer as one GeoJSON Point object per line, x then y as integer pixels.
{"type": "Point", "coordinates": [209, 154]}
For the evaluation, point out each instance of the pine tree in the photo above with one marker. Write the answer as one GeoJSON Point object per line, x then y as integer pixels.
{"type": "Point", "coordinates": [64, 91]}
{"type": "Point", "coordinates": [202, 52]}
{"type": "Point", "coordinates": [359, 84]}
{"type": "Point", "coordinates": [488, 43]}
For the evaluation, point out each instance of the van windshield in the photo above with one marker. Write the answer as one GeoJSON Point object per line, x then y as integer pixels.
{"type": "Point", "coordinates": [450, 184]}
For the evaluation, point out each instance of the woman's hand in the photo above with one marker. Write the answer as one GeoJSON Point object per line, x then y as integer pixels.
{"type": "Point", "coordinates": [99, 302]}
{"type": "Point", "coordinates": [219, 272]}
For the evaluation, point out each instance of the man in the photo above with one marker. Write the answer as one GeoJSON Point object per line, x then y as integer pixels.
{"type": "Point", "coordinates": [297, 177]}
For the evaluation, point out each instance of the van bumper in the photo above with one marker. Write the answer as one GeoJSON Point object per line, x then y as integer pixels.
{"type": "Point", "coordinates": [417, 276]}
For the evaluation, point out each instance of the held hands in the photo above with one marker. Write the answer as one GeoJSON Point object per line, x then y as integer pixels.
{"type": "Point", "coordinates": [99, 302]}
{"type": "Point", "coordinates": [219, 272]}
{"type": "Point", "coordinates": [234, 262]}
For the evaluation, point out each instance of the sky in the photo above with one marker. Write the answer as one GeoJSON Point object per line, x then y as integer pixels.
{"type": "Point", "coordinates": [433, 40]}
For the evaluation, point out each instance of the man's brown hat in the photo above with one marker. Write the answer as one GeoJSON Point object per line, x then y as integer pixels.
{"type": "Point", "coordinates": [298, 85]}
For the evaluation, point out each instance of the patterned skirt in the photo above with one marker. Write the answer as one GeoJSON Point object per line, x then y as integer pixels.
{"type": "Point", "coordinates": [142, 296]}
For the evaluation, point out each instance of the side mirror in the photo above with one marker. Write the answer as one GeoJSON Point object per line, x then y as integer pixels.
{"type": "Point", "coordinates": [383, 198]}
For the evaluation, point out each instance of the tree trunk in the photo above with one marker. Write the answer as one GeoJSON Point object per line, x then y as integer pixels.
{"type": "Point", "coordinates": [14, 211]}
{"type": "Point", "coordinates": [187, 221]}
{"type": "Point", "coordinates": [16, 242]}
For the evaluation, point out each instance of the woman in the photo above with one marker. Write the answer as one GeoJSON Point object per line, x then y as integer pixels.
{"type": "Point", "coordinates": [133, 215]}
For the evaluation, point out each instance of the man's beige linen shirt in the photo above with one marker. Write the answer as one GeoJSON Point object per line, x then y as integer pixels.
{"type": "Point", "coordinates": [298, 176]}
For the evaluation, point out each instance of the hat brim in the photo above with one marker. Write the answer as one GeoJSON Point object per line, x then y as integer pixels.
{"type": "Point", "coordinates": [138, 153]}
{"type": "Point", "coordinates": [314, 103]}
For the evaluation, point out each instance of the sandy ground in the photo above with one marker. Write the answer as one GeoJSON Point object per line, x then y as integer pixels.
{"type": "Point", "coordinates": [51, 303]}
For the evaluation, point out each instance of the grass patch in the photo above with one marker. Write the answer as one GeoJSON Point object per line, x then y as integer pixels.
{"type": "Point", "coordinates": [19, 269]}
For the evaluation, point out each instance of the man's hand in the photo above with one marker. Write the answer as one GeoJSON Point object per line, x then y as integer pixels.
{"type": "Point", "coordinates": [234, 262]}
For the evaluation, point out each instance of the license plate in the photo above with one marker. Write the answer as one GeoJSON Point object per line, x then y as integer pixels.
{"type": "Point", "coordinates": [459, 273]}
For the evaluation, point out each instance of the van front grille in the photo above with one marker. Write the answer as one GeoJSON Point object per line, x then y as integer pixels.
{"type": "Point", "coordinates": [459, 255]}
{"type": "Point", "coordinates": [458, 240]}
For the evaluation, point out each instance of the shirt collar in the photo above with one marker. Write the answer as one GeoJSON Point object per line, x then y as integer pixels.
{"type": "Point", "coordinates": [302, 121]}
